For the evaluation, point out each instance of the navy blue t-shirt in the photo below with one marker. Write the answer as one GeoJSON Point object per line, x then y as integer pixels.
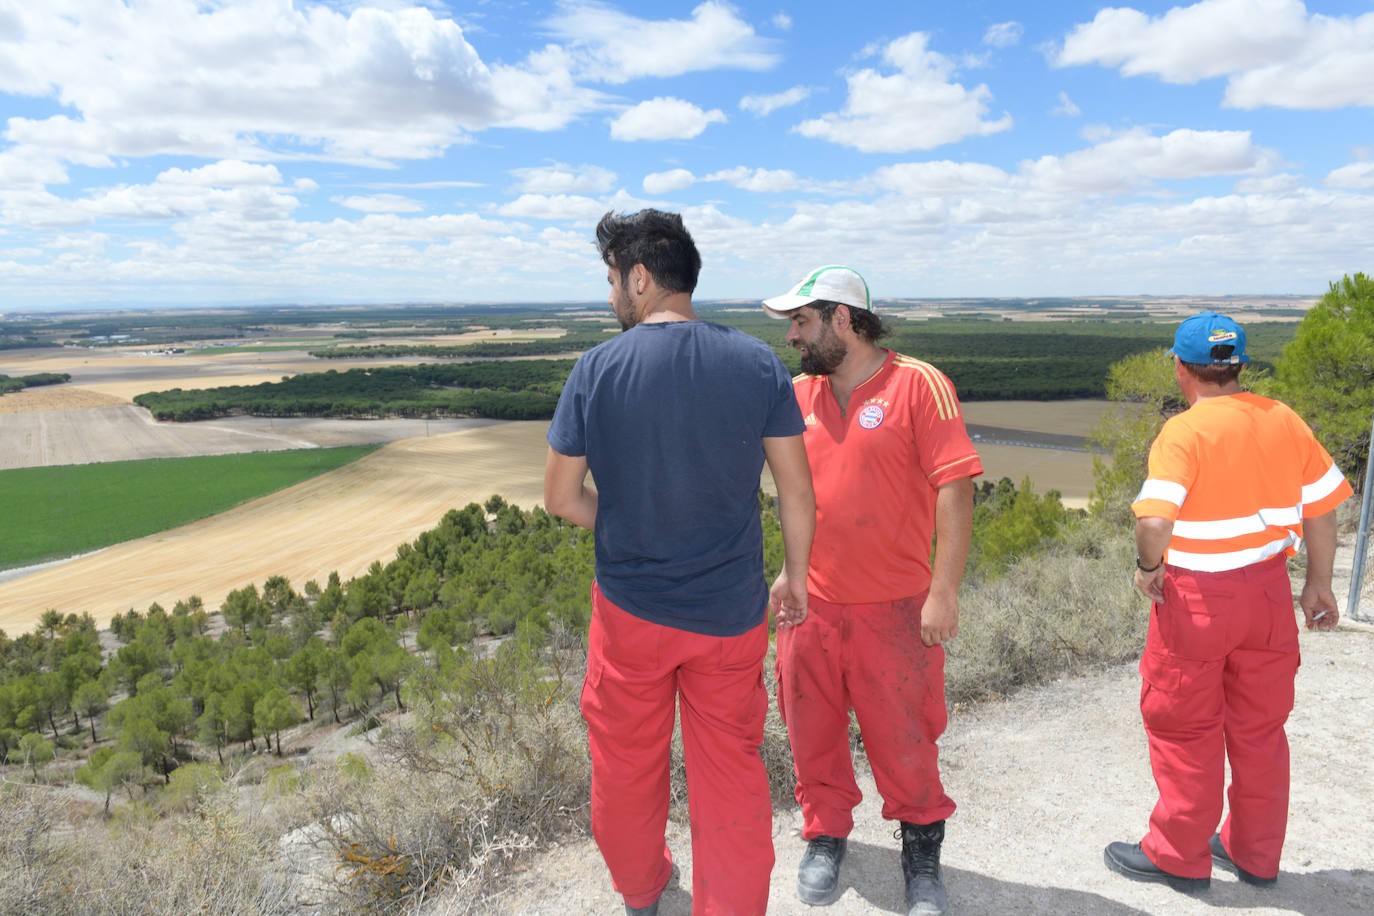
{"type": "Point", "coordinates": [671, 418]}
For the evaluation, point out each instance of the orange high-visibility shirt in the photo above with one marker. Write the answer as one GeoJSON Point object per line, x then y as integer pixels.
{"type": "Point", "coordinates": [1237, 474]}
{"type": "Point", "coordinates": [876, 469]}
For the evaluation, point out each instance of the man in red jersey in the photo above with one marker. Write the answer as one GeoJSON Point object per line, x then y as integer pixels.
{"type": "Point", "coordinates": [892, 467]}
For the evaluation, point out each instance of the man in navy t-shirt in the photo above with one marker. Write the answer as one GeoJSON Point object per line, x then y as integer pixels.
{"type": "Point", "coordinates": [674, 419]}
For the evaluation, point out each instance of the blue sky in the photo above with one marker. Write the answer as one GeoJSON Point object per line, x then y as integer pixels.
{"type": "Point", "coordinates": [171, 152]}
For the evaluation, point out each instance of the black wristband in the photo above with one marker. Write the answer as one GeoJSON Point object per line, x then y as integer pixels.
{"type": "Point", "coordinates": [1143, 568]}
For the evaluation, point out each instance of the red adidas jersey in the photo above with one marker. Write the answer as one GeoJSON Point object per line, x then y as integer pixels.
{"type": "Point", "coordinates": [876, 469]}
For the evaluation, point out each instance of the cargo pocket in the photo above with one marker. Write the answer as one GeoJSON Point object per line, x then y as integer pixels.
{"type": "Point", "coordinates": [1178, 693]}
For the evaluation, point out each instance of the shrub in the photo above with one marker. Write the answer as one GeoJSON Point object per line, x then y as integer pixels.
{"type": "Point", "coordinates": [1067, 609]}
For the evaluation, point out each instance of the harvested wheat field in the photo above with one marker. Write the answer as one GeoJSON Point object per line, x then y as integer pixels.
{"type": "Point", "coordinates": [121, 433]}
{"type": "Point", "coordinates": [57, 397]}
{"type": "Point", "coordinates": [1071, 473]}
{"type": "Point", "coordinates": [1074, 418]}
{"type": "Point", "coordinates": [343, 521]}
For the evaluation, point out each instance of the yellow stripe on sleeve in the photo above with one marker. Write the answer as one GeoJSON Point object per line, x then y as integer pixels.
{"type": "Point", "coordinates": [946, 402]}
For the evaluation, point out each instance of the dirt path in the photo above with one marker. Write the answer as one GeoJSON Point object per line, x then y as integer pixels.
{"type": "Point", "coordinates": [1044, 780]}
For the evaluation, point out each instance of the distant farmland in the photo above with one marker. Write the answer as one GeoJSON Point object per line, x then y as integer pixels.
{"type": "Point", "coordinates": [61, 511]}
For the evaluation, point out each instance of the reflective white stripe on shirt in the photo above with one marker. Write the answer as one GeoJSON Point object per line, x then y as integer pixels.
{"type": "Point", "coordinates": [1222, 528]}
{"type": "Point", "coordinates": [1315, 492]}
{"type": "Point", "coordinates": [1166, 490]}
{"type": "Point", "coordinates": [1236, 559]}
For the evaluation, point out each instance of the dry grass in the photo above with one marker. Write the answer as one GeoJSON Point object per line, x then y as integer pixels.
{"type": "Point", "coordinates": [1064, 611]}
{"type": "Point", "coordinates": [492, 765]}
{"type": "Point", "coordinates": [57, 861]}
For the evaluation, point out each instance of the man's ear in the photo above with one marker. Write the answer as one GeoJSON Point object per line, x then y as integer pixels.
{"type": "Point", "coordinates": [841, 316]}
{"type": "Point", "coordinates": [639, 279]}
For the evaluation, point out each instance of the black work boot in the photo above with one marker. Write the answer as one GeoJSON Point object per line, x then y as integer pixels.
{"type": "Point", "coordinates": [925, 889]}
{"type": "Point", "coordinates": [818, 876]}
{"type": "Point", "coordinates": [1223, 858]}
{"type": "Point", "coordinates": [1130, 861]}
{"type": "Point", "coordinates": [650, 910]}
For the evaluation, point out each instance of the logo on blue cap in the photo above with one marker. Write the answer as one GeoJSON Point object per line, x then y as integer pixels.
{"type": "Point", "coordinates": [1210, 339]}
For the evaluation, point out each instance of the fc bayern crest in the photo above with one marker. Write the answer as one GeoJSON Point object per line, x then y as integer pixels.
{"type": "Point", "coordinates": [871, 416]}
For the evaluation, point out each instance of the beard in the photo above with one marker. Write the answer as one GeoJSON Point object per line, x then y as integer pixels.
{"type": "Point", "coordinates": [624, 311]}
{"type": "Point", "coordinates": [824, 355]}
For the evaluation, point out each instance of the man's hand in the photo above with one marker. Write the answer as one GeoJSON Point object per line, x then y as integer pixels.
{"type": "Point", "coordinates": [939, 618]}
{"type": "Point", "coordinates": [787, 601]}
{"type": "Point", "coordinates": [1319, 607]}
{"type": "Point", "coordinates": [1151, 584]}
{"type": "Point", "coordinates": [1318, 601]}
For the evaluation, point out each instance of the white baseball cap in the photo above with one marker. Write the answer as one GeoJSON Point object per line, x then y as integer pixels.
{"type": "Point", "coordinates": [833, 283]}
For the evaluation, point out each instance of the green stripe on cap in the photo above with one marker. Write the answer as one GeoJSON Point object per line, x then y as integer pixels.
{"type": "Point", "coordinates": [806, 288]}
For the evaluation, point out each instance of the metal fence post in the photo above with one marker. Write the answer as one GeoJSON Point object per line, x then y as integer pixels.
{"type": "Point", "coordinates": [1352, 606]}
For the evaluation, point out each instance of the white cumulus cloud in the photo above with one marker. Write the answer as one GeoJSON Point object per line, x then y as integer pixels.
{"type": "Point", "coordinates": [1126, 160]}
{"type": "Point", "coordinates": [380, 203]}
{"type": "Point", "coordinates": [1272, 52]}
{"type": "Point", "coordinates": [1355, 176]}
{"type": "Point", "coordinates": [664, 118]}
{"type": "Point", "coordinates": [1066, 107]}
{"type": "Point", "coordinates": [669, 181]}
{"type": "Point", "coordinates": [763, 105]}
{"type": "Point", "coordinates": [762, 180]}
{"type": "Point", "coordinates": [1003, 34]}
{"type": "Point", "coordinates": [917, 107]}
{"type": "Point", "coordinates": [554, 206]}
{"type": "Point", "coordinates": [564, 179]}
{"type": "Point", "coordinates": [615, 47]}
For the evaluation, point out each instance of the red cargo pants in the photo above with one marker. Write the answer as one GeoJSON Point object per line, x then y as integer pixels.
{"type": "Point", "coordinates": [636, 672]}
{"type": "Point", "coordinates": [1218, 671]}
{"type": "Point", "coordinates": [870, 657]}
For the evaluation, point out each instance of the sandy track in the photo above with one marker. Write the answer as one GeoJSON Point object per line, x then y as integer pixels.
{"type": "Point", "coordinates": [1045, 780]}
{"type": "Point", "coordinates": [343, 521]}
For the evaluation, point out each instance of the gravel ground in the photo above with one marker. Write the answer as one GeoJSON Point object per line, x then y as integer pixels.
{"type": "Point", "coordinates": [1044, 780]}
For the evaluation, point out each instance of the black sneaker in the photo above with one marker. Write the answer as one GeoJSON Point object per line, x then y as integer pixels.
{"type": "Point", "coordinates": [925, 888]}
{"type": "Point", "coordinates": [650, 910]}
{"type": "Point", "coordinates": [1130, 861]}
{"type": "Point", "coordinates": [818, 876]}
{"type": "Point", "coordinates": [1221, 857]}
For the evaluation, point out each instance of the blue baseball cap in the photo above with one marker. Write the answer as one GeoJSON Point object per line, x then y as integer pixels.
{"type": "Point", "coordinates": [1210, 339]}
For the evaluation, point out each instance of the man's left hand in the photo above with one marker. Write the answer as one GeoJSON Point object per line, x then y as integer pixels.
{"type": "Point", "coordinates": [939, 619]}
{"type": "Point", "coordinates": [787, 601]}
{"type": "Point", "coordinates": [1151, 584]}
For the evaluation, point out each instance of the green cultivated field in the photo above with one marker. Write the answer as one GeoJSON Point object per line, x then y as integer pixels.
{"type": "Point", "coordinates": [50, 513]}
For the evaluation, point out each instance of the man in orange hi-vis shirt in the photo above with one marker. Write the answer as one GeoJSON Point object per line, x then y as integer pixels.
{"type": "Point", "coordinates": [1236, 484]}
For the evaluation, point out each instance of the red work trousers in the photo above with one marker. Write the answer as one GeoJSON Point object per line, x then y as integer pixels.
{"type": "Point", "coordinates": [636, 672]}
{"type": "Point", "coordinates": [869, 657]}
{"type": "Point", "coordinates": [1218, 671]}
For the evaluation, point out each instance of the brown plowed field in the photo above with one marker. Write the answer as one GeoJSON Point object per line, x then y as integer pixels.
{"type": "Point", "coordinates": [340, 521]}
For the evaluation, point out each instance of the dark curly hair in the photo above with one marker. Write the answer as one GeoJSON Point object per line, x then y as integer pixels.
{"type": "Point", "coordinates": [656, 239]}
{"type": "Point", "coordinates": [865, 323]}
